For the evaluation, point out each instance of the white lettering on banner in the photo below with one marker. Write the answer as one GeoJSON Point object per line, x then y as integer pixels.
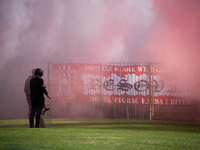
{"type": "Point", "coordinates": [156, 101]}
{"type": "Point", "coordinates": [179, 102]}
{"type": "Point", "coordinates": [136, 101]}
{"type": "Point", "coordinates": [145, 69]}
{"type": "Point", "coordinates": [94, 99]}
{"type": "Point", "coordinates": [92, 68]}
{"type": "Point", "coordinates": [167, 102]}
{"type": "Point", "coordinates": [106, 68]}
{"type": "Point", "coordinates": [106, 100]}
{"type": "Point", "coordinates": [132, 69]}
{"type": "Point", "coordinates": [97, 68]}
{"type": "Point", "coordinates": [128, 69]}
{"type": "Point", "coordinates": [173, 102]}
{"type": "Point", "coordinates": [161, 101]}
{"type": "Point", "coordinates": [118, 82]}
{"type": "Point", "coordinates": [122, 100]}
{"type": "Point", "coordinates": [118, 100]}
{"type": "Point", "coordinates": [146, 102]}
{"type": "Point", "coordinates": [139, 69]}
{"type": "Point", "coordinates": [115, 99]}
{"type": "Point", "coordinates": [116, 68]}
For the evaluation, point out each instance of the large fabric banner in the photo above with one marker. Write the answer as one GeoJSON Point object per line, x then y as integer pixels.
{"type": "Point", "coordinates": [116, 84]}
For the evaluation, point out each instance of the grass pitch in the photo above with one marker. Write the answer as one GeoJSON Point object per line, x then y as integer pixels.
{"type": "Point", "coordinates": [99, 134]}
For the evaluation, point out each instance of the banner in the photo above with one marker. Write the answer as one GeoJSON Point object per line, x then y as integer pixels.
{"type": "Point", "coordinates": [116, 84]}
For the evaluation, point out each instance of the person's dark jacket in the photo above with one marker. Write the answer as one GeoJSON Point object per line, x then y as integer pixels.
{"type": "Point", "coordinates": [37, 91]}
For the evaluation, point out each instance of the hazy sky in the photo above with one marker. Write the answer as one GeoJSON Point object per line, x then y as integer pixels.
{"type": "Point", "coordinates": [166, 31]}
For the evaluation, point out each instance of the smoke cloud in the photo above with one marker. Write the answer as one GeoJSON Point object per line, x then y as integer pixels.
{"type": "Point", "coordinates": [163, 31]}
{"type": "Point", "coordinates": [175, 37]}
{"type": "Point", "coordinates": [74, 31]}
{"type": "Point", "coordinates": [92, 31]}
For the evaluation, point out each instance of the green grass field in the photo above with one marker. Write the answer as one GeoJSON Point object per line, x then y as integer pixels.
{"type": "Point", "coordinates": [99, 134]}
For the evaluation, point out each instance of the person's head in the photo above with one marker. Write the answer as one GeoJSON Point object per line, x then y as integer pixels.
{"type": "Point", "coordinates": [39, 72]}
{"type": "Point", "coordinates": [33, 72]}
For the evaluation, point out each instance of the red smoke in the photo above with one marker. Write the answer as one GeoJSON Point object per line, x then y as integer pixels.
{"type": "Point", "coordinates": [129, 31]}
{"type": "Point", "coordinates": [175, 36]}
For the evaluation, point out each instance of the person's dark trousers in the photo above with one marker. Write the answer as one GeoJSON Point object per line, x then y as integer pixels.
{"type": "Point", "coordinates": [35, 111]}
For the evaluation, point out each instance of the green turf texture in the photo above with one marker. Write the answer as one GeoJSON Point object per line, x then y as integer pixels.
{"type": "Point", "coordinates": [99, 135]}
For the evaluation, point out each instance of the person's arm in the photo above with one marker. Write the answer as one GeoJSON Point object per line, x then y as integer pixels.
{"type": "Point", "coordinates": [48, 96]}
{"type": "Point", "coordinates": [44, 90]}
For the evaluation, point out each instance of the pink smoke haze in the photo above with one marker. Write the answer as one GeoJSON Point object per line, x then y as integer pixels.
{"type": "Point", "coordinates": [175, 38]}
{"type": "Point", "coordinates": [161, 31]}
{"type": "Point", "coordinates": [74, 31]}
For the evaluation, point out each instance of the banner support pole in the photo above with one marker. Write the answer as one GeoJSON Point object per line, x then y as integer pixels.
{"type": "Point", "coordinates": [101, 108]}
{"type": "Point", "coordinates": [150, 107]}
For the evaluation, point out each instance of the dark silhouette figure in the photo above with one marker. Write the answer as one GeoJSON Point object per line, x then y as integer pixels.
{"type": "Point", "coordinates": [37, 97]}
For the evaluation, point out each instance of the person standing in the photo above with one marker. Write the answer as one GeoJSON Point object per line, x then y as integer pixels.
{"type": "Point", "coordinates": [37, 91]}
{"type": "Point", "coordinates": [27, 91]}
{"type": "Point", "coordinates": [28, 97]}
